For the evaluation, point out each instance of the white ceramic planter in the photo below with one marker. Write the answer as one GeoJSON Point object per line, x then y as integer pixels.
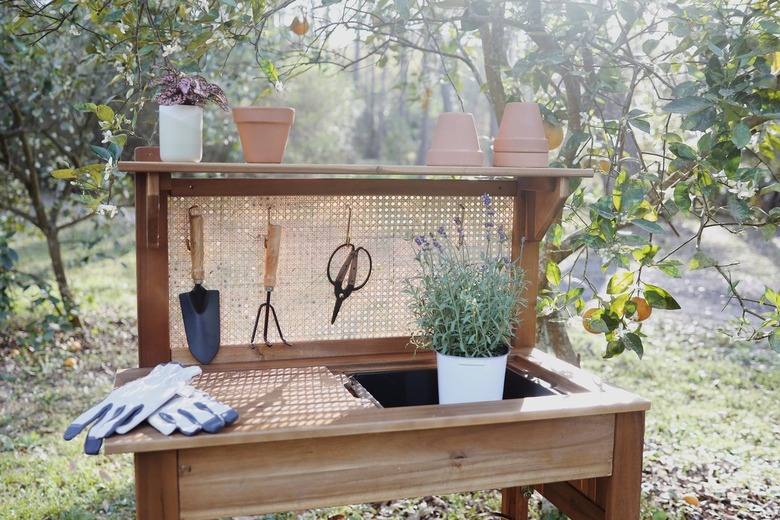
{"type": "Point", "coordinates": [181, 133]}
{"type": "Point", "coordinates": [470, 380]}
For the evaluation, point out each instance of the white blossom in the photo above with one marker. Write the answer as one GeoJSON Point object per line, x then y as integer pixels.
{"type": "Point", "coordinates": [123, 27]}
{"type": "Point", "coordinates": [171, 48]}
{"type": "Point", "coordinates": [744, 189]}
{"type": "Point", "coordinates": [106, 136]}
{"type": "Point", "coordinates": [732, 32]}
{"type": "Point", "coordinates": [106, 209]}
{"type": "Point", "coordinates": [109, 168]}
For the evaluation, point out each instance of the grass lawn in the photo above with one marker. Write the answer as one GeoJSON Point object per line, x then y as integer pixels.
{"type": "Point", "coordinates": [713, 433]}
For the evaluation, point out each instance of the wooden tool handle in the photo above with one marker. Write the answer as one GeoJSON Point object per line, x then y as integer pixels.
{"type": "Point", "coordinates": [196, 243]}
{"type": "Point", "coordinates": [272, 244]}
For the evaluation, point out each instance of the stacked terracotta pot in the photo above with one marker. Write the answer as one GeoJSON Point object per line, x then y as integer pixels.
{"type": "Point", "coordinates": [521, 141]}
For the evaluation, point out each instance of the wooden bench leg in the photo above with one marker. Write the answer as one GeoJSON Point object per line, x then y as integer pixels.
{"type": "Point", "coordinates": [156, 486]}
{"type": "Point", "coordinates": [514, 504]}
{"type": "Point", "coordinates": [624, 487]}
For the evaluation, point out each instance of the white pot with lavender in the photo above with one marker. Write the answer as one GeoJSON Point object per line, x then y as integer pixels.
{"type": "Point", "coordinates": [182, 99]}
{"type": "Point", "coordinates": [465, 303]}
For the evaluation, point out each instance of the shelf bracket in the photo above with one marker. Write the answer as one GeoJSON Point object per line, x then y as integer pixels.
{"type": "Point", "coordinates": [151, 200]}
{"type": "Point", "coordinates": [542, 208]}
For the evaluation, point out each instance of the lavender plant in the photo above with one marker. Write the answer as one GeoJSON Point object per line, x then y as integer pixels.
{"type": "Point", "coordinates": [180, 89]}
{"type": "Point", "coordinates": [465, 302]}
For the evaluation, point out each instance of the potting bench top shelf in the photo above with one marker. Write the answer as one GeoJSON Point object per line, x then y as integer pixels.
{"type": "Point", "coordinates": [349, 169]}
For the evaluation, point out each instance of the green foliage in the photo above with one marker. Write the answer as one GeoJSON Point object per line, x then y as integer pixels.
{"type": "Point", "coordinates": [465, 302]}
{"type": "Point", "coordinates": [677, 103]}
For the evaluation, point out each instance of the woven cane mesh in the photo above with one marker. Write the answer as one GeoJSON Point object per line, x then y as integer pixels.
{"type": "Point", "coordinates": [312, 227]}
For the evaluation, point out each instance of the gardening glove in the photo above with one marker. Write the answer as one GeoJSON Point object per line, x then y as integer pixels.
{"type": "Point", "coordinates": [191, 411]}
{"type": "Point", "coordinates": [124, 408]}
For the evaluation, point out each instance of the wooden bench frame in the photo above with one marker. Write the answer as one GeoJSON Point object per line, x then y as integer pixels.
{"type": "Point", "coordinates": [582, 449]}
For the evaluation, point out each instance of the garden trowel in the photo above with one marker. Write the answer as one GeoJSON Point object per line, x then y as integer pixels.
{"type": "Point", "coordinates": [200, 307]}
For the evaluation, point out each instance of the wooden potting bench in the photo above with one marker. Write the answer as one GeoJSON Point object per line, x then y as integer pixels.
{"type": "Point", "coordinates": [303, 440]}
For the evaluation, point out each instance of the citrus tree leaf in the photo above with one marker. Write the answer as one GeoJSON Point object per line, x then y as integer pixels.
{"type": "Point", "coordinates": [614, 348]}
{"type": "Point", "coordinates": [620, 282]}
{"type": "Point", "coordinates": [774, 340]}
{"type": "Point", "coordinates": [659, 298]}
{"type": "Point", "coordinates": [687, 104]}
{"type": "Point", "coordinates": [738, 208]}
{"type": "Point", "coordinates": [740, 136]}
{"type": "Point", "coordinates": [104, 113]}
{"type": "Point", "coordinates": [701, 260]}
{"type": "Point", "coordinates": [650, 227]}
{"type": "Point", "coordinates": [553, 273]}
{"type": "Point", "coordinates": [65, 173]}
{"type": "Point", "coordinates": [633, 342]}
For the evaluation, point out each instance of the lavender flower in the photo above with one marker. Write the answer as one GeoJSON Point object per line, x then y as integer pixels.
{"type": "Point", "coordinates": [501, 233]}
{"type": "Point", "coordinates": [479, 289]}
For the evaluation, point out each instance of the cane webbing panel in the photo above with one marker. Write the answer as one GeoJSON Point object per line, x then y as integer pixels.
{"type": "Point", "coordinates": [312, 227]}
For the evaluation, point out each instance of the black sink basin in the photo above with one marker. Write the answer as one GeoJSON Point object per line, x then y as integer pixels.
{"type": "Point", "coordinates": [420, 387]}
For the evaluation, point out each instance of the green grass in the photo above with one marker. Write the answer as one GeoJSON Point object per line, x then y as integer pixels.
{"type": "Point", "coordinates": [100, 265]}
{"type": "Point", "coordinates": [712, 430]}
{"type": "Point", "coordinates": [42, 475]}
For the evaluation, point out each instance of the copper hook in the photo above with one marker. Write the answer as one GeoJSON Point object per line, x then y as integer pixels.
{"type": "Point", "coordinates": [349, 223]}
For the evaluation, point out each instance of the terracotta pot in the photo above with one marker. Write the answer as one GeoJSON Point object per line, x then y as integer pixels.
{"type": "Point", "coordinates": [455, 141]}
{"type": "Point", "coordinates": [181, 133]}
{"type": "Point", "coordinates": [520, 159]}
{"type": "Point", "coordinates": [264, 132]}
{"type": "Point", "coordinates": [521, 141]}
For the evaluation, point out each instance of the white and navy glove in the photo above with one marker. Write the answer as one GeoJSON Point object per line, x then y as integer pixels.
{"type": "Point", "coordinates": [190, 412]}
{"type": "Point", "coordinates": [127, 406]}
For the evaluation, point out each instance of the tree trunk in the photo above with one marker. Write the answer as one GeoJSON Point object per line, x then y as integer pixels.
{"type": "Point", "coordinates": [58, 267]}
{"type": "Point", "coordinates": [46, 222]}
{"type": "Point", "coordinates": [493, 55]}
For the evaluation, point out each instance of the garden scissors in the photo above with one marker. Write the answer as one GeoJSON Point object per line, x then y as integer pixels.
{"type": "Point", "coordinates": [349, 271]}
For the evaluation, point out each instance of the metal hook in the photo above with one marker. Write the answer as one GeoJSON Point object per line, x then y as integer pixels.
{"type": "Point", "coordinates": [349, 223]}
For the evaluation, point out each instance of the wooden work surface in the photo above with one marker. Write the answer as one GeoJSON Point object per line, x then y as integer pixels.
{"type": "Point", "coordinates": [288, 401]}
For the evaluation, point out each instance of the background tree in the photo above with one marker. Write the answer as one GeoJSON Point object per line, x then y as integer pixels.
{"type": "Point", "coordinates": [39, 130]}
{"type": "Point", "coordinates": [676, 107]}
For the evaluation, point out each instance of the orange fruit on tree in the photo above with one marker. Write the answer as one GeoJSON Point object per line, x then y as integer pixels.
{"type": "Point", "coordinates": [554, 134]}
{"type": "Point", "coordinates": [586, 318]}
{"type": "Point", "coordinates": [299, 27]}
{"type": "Point", "coordinates": [643, 309]}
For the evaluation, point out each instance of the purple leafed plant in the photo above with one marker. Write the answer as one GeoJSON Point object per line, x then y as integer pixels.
{"type": "Point", "coordinates": [180, 89]}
